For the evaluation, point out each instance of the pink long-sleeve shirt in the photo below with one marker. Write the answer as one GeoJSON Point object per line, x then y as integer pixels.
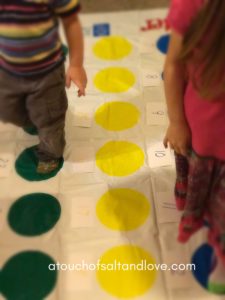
{"type": "Point", "coordinates": [205, 118]}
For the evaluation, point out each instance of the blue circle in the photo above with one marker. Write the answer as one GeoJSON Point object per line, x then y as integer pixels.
{"type": "Point", "coordinates": [163, 43]}
{"type": "Point", "coordinates": [203, 260]}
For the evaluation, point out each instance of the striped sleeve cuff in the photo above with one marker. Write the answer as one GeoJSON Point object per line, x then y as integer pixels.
{"type": "Point", "coordinates": [65, 8]}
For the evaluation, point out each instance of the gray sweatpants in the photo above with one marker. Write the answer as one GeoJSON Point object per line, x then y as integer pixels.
{"type": "Point", "coordinates": [40, 102]}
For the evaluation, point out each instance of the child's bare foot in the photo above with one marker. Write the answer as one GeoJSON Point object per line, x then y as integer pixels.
{"type": "Point", "coordinates": [46, 167]}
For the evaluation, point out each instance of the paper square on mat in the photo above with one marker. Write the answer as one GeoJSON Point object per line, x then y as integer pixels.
{"type": "Point", "coordinates": [178, 279]}
{"type": "Point", "coordinates": [146, 47]}
{"type": "Point", "coordinates": [158, 156]}
{"type": "Point", "coordinates": [166, 208]}
{"type": "Point", "coordinates": [80, 280]}
{"type": "Point", "coordinates": [6, 164]}
{"type": "Point", "coordinates": [84, 114]}
{"type": "Point", "coordinates": [82, 160]}
{"type": "Point", "coordinates": [156, 113]}
{"type": "Point", "coordinates": [83, 212]}
{"type": "Point", "coordinates": [174, 253]}
{"type": "Point", "coordinates": [151, 78]}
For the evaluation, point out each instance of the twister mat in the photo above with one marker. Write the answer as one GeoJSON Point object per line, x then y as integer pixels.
{"type": "Point", "coordinates": [113, 198]}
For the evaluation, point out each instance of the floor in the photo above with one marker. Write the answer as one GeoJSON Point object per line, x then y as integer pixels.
{"type": "Point", "coordinates": [116, 5]}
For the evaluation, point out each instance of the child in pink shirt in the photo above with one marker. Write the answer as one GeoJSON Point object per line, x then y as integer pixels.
{"type": "Point", "coordinates": [195, 92]}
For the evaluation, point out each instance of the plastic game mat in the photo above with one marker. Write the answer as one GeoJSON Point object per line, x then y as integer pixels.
{"type": "Point", "coordinates": [112, 201]}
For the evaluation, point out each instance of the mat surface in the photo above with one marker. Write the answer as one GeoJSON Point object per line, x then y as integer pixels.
{"type": "Point", "coordinates": [113, 198]}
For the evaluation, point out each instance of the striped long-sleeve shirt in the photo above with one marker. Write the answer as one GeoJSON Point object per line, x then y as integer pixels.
{"type": "Point", "coordinates": [29, 37]}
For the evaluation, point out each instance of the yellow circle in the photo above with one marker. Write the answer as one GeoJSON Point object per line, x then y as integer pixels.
{"type": "Point", "coordinates": [117, 116]}
{"type": "Point", "coordinates": [127, 281]}
{"type": "Point", "coordinates": [114, 80]}
{"type": "Point", "coordinates": [123, 209]}
{"type": "Point", "coordinates": [119, 158]}
{"type": "Point", "coordinates": [112, 48]}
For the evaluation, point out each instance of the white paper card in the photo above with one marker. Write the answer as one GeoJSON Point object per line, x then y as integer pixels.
{"type": "Point", "coordinates": [83, 212]}
{"type": "Point", "coordinates": [156, 113]}
{"type": "Point", "coordinates": [177, 254]}
{"type": "Point", "coordinates": [178, 279]}
{"type": "Point", "coordinates": [6, 164]}
{"type": "Point", "coordinates": [84, 114]}
{"type": "Point", "coordinates": [166, 207]}
{"type": "Point", "coordinates": [80, 279]}
{"type": "Point", "coordinates": [151, 78]}
{"type": "Point", "coordinates": [146, 46]}
{"type": "Point", "coordinates": [158, 156]}
{"type": "Point", "coordinates": [82, 160]}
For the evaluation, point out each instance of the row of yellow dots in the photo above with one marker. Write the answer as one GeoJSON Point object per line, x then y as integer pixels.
{"type": "Point", "coordinates": [120, 209]}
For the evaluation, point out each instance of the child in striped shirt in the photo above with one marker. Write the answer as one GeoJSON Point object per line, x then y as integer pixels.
{"type": "Point", "coordinates": [32, 75]}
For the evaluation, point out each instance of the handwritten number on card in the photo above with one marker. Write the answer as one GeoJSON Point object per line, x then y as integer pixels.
{"type": "Point", "coordinates": [160, 113]}
{"type": "Point", "coordinates": [3, 163]}
{"type": "Point", "coordinates": [152, 76]}
{"type": "Point", "coordinates": [160, 154]}
{"type": "Point", "coordinates": [6, 164]}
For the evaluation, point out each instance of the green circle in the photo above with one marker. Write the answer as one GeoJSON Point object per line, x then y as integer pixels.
{"type": "Point", "coordinates": [26, 166]}
{"type": "Point", "coordinates": [34, 214]}
{"type": "Point", "coordinates": [26, 276]}
{"type": "Point", "coordinates": [31, 130]}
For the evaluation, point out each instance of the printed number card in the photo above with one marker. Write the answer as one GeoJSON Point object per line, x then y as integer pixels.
{"type": "Point", "coordinates": [83, 212]}
{"type": "Point", "coordinates": [81, 279]}
{"type": "Point", "coordinates": [156, 114]}
{"type": "Point", "coordinates": [6, 164]}
{"type": "Point", "coordinates": [83, 114]}
{"type": "Point", "coordinates": [83, 110]}
{"type": "Point", "coordinates": [158, 156]}
{"type": "Point", "coordinates": [151, 78]}
{"type": "Point", "coordinates": [166, 207]}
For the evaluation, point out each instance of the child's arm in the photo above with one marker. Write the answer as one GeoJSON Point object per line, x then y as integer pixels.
{"type": "Point", "coordinates": [178, 135]}
{"type": "Point", "coordinates": [76, 71]}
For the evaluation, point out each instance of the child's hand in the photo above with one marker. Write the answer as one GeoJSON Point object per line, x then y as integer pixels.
{"type": "Point", "coordinates": [78, 76]}
{"type": "Point", "coordinates": [178, 137]}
